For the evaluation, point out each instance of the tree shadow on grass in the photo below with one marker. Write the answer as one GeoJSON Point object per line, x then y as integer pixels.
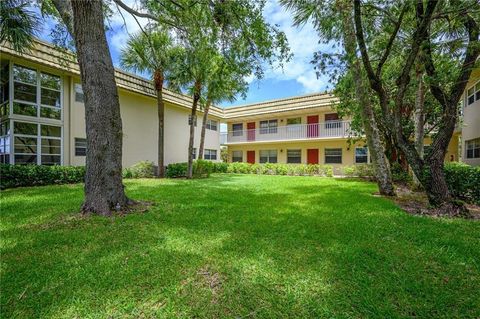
{"type": "Point", "coordinates": [305, 248]}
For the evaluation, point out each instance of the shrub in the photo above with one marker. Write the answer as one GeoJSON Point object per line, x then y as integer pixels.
{"type": "Point", "coordinates": [463, 181]}
{"type": "Point", "coordinates": [202, 168]}
{"type": "Point", "coordinates": [220, 167]}
{"type": "Point", "coordinates": [143, 169]}
{"type": "Point", "coordinates": [176, 170]}
{"type": "Point", "coordinates": [359, 170]}
{"type": "Point", "coordinates": [35, 175]}
{"type": "Point", "coordinates": [399, 175]}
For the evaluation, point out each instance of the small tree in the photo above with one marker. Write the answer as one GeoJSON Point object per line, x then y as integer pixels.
{"type": "Point", "coordinates": [153, 52]}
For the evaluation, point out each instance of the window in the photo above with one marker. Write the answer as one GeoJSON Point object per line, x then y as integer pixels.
{"type": "Point", "coordinates": [194, 153]}
{"type": "Point", "coordinates": [268, 156]}
{"type": "Point", "coordinates": [4, 89]}
{"type": "Point", "coordinates": [473, 148]}
{"type": "Point", "coordinates": [211, 125]}
{"type": "Point", "coordinates": [294, 156]}
{"type": "Point", "coordinates": [79, 97]}
{"type": "Point", "coordinates": [237, 129]}
{"type": "Point", "coordinates": [37, 143]}
{"type": "Point", "coordinates": [5, 142]}
{"type": "Point", "coordinates": [80, 146]}
{"type": "Point", "coordinates": [473, 94]}
{"type": "Point", "coordinates": [333, 156]}
{"type": "Point", "coordinates": [361, 155]}
{"type": "Point", "coordinates": [332, 121]}
{"type": "Point", "coordinates": [237, 156]}
{"type": "Point", "coordinates": [190, 120]}
{"type": "Point", "coordinates": [268, 127]}
{"type": "Point", "coordinates": [210, 155]}
{"type": "Point", "coordinates": [36, 94]}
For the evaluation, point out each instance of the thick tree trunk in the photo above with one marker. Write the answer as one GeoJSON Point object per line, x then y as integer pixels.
{"type": "Point", "coordinates": [204, 126]}
{"type": "Point", "coordinates": [419, 120]}
{"type": "Point", "coordinates": [159, 79]}
{"type": "Point", "coordinates": [104, 191]}
{"type": "Point", "coordinates": [374, 141]}
{"type": "Point", "coordinates": [196, 98]}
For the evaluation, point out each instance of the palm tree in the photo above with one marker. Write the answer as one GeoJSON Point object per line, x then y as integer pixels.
{"type": "Point", "coordinates": [18, 24]}
{"type": "Point", "coordinates": [153, 52]}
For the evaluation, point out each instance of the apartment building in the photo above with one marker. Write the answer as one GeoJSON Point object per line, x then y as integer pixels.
{"type": "Point", "coordinates": [304, 129]}
{"type": "Point", "coordinates": [42, 114]}
{"type": "Point", "coordinates": [470, 151]}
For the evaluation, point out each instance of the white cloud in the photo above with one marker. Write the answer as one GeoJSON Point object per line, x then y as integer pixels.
{"type": "Point", "coordinates": [303, 42]}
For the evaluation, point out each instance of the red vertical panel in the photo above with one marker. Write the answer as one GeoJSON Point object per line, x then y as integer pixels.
{"type": "Point", "coordinates": [251, 131]}
{"type": "Point", "coordinates": [312, 128]}
{"type": "Point", "coordinates": [251, 157]}
{"type": "Point", "coordinates": [312, 156]}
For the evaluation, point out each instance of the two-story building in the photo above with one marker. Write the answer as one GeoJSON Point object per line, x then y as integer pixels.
{"type": "Point", "coordinates": [470, 153]}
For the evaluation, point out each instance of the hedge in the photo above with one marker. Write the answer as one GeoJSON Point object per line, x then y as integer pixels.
{"type": "Point", "coordinates": [35, 175]}
{"type": "Point", "coordinates": [280, 169]}
{"type": "Point", "coordinates": [201, 168]}
{"type": "Point", "coordinates": [143, 169]}
{"type": "Point", "coordinates": [463, 181]}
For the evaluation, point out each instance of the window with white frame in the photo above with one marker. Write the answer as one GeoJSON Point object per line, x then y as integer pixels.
{"type": "Point", "coordinates": [361, 155]}
{"type": "Point", "coordinates": [473, 94]}
{"type": "Point", "coordinates": [4, 89]}
{"type": "Point", "coordinates": [190, 120]}
{"type": "Point", "coordinates": [5, 142]}
{"type": "Point", "coordinates": [210, 154]}
{"type": "Point", "coordinates": [36, 94]}
{"type": "Point", "coordinates": [212, 125]}
{"type": "Point", "coordinates": [237, 156]}
{"type": "Point", "coordinates": [472, 148]}
{"type": "Point", "coordinates": [294, 156]}
{"type": "Point", "coordinates": [80, 146]}
{"type": "Point", "coordinates": [268, 156]}
{"type": "Point", "coordinates": [79, 97]}
{"type": "Point", "coordinates": [237, 129]}
{"type": "Point", "coordinates": [37, 143]}
{"type": "Point", "coordinates": [333, 156]}
{"type": "Point", "coordinates": [268, 126]}
{"type": "Point", "coordinates": [194, 153]}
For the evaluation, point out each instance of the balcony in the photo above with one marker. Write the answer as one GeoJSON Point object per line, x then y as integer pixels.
{"type": "Point", "coordinates": [325, 130]}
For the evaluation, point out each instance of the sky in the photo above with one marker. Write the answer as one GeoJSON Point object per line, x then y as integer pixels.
{"type": "Point", "coordinates": [297, 77]}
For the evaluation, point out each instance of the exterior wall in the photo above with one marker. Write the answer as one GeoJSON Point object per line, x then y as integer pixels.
{"type": "Point", "coordinates": [452, 154]}
{"type": "Point", "coordinates": [471, 120]}
{"type": "Point", "coordinates": [348, 151]}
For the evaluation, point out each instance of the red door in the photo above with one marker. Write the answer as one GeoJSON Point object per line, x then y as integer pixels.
{"type": "Point", "coordinates": [312, 156]}
{"type": "Point", "coordinates": [312, 127]}
{"type": "Point", "coordinates": [251, 131]}
{"type": "Point", "coordinates": [251, 157]}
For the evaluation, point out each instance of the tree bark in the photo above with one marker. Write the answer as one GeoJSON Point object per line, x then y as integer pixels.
{"type": "Point", "coordinates": [196, 98]}
{"type": "Point", "coordinates": [419, 120]}
{"type": "Point", "coordinates": [159, 80]}
{"type": "Point", "coordinates": [204, 126]}
{"type": "Point", "coordinates": [374, 141]}
{"type": "Point", "coordinates": [104, 191]}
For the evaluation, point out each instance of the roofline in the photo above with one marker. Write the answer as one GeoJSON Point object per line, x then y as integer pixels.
{"type": "Point", "coordinates": [285, 99]}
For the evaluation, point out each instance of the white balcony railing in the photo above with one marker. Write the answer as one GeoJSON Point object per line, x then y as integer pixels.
{"type": "Point", "coordinates": [330, 129]}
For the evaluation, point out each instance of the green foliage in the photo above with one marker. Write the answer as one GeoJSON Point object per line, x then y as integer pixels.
{"type": "Point", "coordinates": [220, 167]}
{"type": "Point", "coordinates": [280, 169]}
{"type": "Point", "coordinates": [176, 170]}
{"type": "Point", "coordinates": [202, 168]}
{"type": "Point", "coordinates": [359, 170]}
{"type": "Point", "coordinates": [143, 169]}
{"type": "Point", "coordinates": [399, 174]}
{"type": "Point", "coordinates": [463, 181]}
{"type": "Point", "coordinates": [35, 175]}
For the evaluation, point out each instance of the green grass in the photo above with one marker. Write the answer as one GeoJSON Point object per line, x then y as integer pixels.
{"type": "Point", "coordinates": [233, 247]}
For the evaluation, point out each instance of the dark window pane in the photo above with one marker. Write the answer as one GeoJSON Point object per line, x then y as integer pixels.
{"type": "Point", "coordinates": [471, 99]}
{"type": "Point", "coordinates": [24, 109]}
{"type": "Point", "coordinates": [51, 159]}
{"type": "Point", "coordinates": [25, 128]}
{"type": "Point", "coordinates": [5, 158]}
{"type": "Point", "coordinates": [51, 146]}
{"type": "Point", "coordinates": [24, 74]}
{"type": "Point", "coordinates": [4, 109]}
{"type": "Point", "coordinates": [80, 147]}
{"type": "Point", "coordinates": [49, 130]}
{"type": "Point", "coordinates": [50, 97]}
{"type": "Point", "coordinates": [294, 156]}
{"type": "Point", "coordinates": [51, 113]}
{"type": "Point", "coordinates": [79, 97]}
{"type": "Point", "coordinates": [237, 129]}
{"type": "Point", "coordinates": [50, 81]}
{"type": "Point", "coordinates": [25, 159]}
{"type": "Point", "coordinates": [25, 92]}
{"type": "Point", "coordinates": [4, 80]}
{"type": "Point", "coordinates": [4, 128]}
{"type": "Point", "coordinates": [25, 144]}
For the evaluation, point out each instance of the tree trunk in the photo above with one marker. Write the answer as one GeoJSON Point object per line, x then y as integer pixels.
{"type": "Point", "coordinates": [419, 120]}
{"type": "Point", "coordinates": [104, 191]}
{"type": "Point", "coordinates": [196, 98]}
{"type": "Point", "coordinates": [374, 141]}
{"type": "Point", "coordinates": [159, 80]}
{"type": "Point", "coordinates": [204, 126]}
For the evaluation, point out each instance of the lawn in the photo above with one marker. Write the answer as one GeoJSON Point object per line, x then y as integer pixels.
{"type": "Point", "coordinates": [235, 246]}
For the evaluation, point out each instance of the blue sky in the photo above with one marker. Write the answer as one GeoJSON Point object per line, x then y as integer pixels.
{"type": "Point", "coordinates": [296, 78]}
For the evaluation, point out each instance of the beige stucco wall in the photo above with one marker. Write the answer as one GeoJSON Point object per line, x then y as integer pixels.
{"type": "Point", "coordinates": [471, 120]}
{"type": "Point", "coordinates": [140, 130]}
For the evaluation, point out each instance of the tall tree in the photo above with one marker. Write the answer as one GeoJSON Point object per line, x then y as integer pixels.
{"type": "Point", "coordinates": [334, 22]}
{"type": "Point", "coordinates": [425, 25]}
{"type": "Point", "coordinates": [153, 51]}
